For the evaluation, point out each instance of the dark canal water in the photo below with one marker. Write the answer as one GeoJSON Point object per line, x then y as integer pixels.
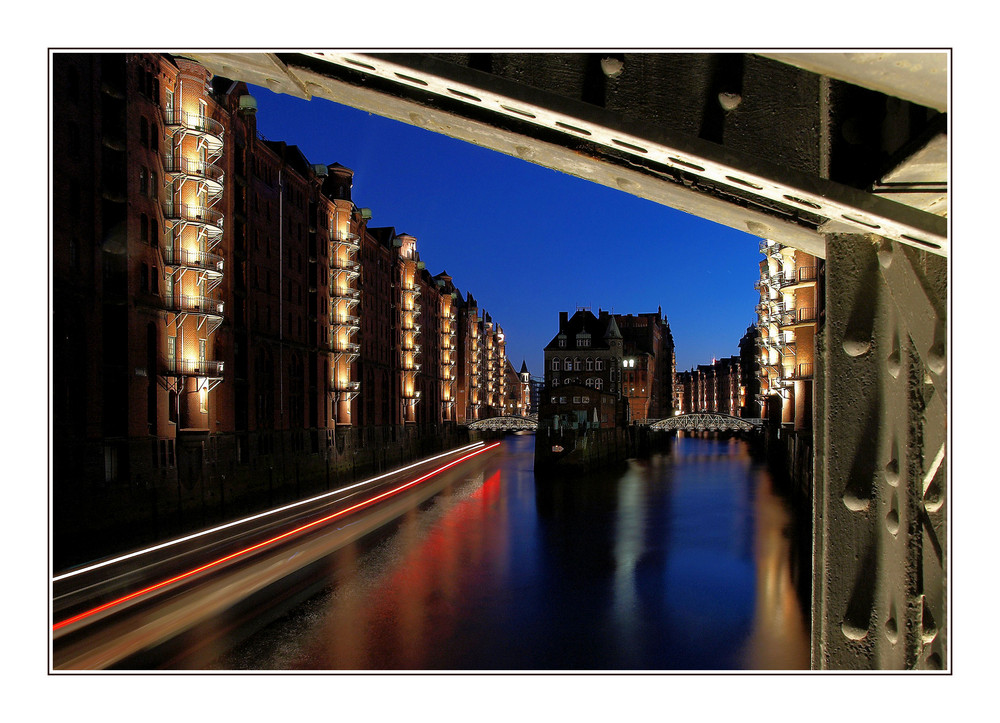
{"type": "Point", "coordinates": [681, 562]}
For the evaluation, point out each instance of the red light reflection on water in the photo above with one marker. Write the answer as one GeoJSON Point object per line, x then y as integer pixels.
{"type": "Point", "coordinates": [266, 543]}
{"type": "Point", "coordinates": [402, 621]}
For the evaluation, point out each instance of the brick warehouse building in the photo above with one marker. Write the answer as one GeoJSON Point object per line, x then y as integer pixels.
{"type": "Point", "coordinates": [586, 353]}
{"type": "Point", "coordinates": [227, 331]}
{"type": "Point", "coordinates": [727, 385]}
{"type": "Point", "coordinates": [649, 365]}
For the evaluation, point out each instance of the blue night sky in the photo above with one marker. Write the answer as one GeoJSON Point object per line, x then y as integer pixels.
{"type": "Point", "coordinates": [529, 242]}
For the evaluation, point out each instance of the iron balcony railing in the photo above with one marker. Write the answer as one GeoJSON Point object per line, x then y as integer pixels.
{"type": "Point", "coordinates": [195, 304]}
{"type": "Point", "coordinates": [193, 214]}
{"type": "Point", "coordinates": [346, 239]}
{"type": "Point", "coordinates": [349, 273]}
{"type": "Point", "coordinates": [802, 371]}
{"type": "Point", "coordinates": [802, 275]}
{"type": "Point", "coordinates": [347, 264]}
{"type": "Point", "coordinates": [347, 293]}
{"type": "Point", "coordinates": [347, 320]}
{"type": "Point", "coordinates": [193, 167]}
{"type": "Point", "coordinates": [346, 386]}
{"type": "Point", "coordinates": [797, 316]}
{"type": "Point", "coordinates": [347, 346]}
{"type": "Point", "coordinates": [785, 347]}
{"type": "Point", "coordinates": [193, 122]}
{"type": "Point", "coordinates": [193, 368]}
{"type": "Point", "coordinates": [805, 315]}
{"type": "Point", "coordinates": [176, 256]}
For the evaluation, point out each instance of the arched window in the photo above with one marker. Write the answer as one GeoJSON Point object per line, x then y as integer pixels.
{"type": "Point", "coordinates": [599, 366]}
{"type": "Point", "coordinates": [590, 364]}
{"type": "Point", "coordinates": [598, 383]}
{"type": "Point", "coordinates": [578, 364]}
{"type": "Point", "coordinates": [567, 363]}
{"type": "Point", "coordinates": [555, 365]}
{"type": "Point", "coordinates": [589, 382]}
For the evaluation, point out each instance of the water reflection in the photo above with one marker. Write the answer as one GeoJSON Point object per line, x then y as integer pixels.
{"type": "Point", "coordinates": [680, 562]}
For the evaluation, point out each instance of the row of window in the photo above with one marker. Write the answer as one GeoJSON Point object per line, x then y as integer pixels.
{"type": "Point", "coordinates": [596, 382]}
{"type": "Point", "coordinates": [576, 400]}
{"type": "Point", "coordinates": [577, 364]}
{"type": "Point", "coordinates": [580, 341]}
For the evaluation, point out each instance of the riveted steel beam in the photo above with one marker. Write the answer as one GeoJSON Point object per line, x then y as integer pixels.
{"type": "Point", "coordinates": [711, 180]}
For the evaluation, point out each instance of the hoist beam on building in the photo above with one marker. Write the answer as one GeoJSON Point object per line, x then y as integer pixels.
{"type": "Point", "coordinates": [728, 183]}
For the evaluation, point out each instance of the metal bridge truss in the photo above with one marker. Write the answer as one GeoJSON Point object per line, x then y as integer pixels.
{"type": "Point", "coordinates": [505, 424]}
{"type": "Point", "coordinates": [706, 422]}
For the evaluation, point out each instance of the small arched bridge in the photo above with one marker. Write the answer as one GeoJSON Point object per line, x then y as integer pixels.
{"type": "Point", "coordinates": [505, 424]}
{"type": "Point", "coordinates": [707, 422]}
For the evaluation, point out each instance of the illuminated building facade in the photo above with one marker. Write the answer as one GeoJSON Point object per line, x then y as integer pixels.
{"type": "Point", "coordinates": [727, 386]}
{"type": "Point", "coordinates": [224, 320]}
{"type": "Point", "coordinates": [787, 317]}
{"type": "Point", "coordinates": [517, 395]}
{"type": "Point", "coordinates": [448, 341]}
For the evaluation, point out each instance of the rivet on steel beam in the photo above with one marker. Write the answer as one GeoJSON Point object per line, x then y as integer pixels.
{"type": "Point", "coordinates": [612, 66]}
{"type": "Point", "coordinates": [729, 101]}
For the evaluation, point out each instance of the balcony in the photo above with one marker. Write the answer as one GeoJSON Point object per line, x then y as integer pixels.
{"type": "Point", "coordinates": [192, 368]}
{"type": "Point", "coordinates": [798, 316]}
{"type": "Point", "coordinates": [346, 347]}
{"type": "Point", "coordinates": [785, 347]}
{"type": "Point", "coordinates": [202, 215]}
{"type": "Point", "coordinates": [195, 169]}
{"type": "Point", "coordinates": [350, 240]}
{"type": "Point", "coordinates": [194, 305]}
{"type": "Point", "coordinates": [348, 320]}
{"type": "Point", "coordinates": [802, 275]}
{"type": "Point", "coordinates": [208, 129]}
{"type": "Point", "coordinates": [802, 371]}
{"type": "Point", "coordinates": [177, 256]}
{"type": "Point", "coordinates": [346, 264]}
{"type": "Point", "coordinates": [345, 386]}
{"type": "Point", "coordinates": [348, 293]}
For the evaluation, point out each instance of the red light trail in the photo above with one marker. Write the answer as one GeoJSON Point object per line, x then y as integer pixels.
{"type": "Point", "coordinates": [265, 543]}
